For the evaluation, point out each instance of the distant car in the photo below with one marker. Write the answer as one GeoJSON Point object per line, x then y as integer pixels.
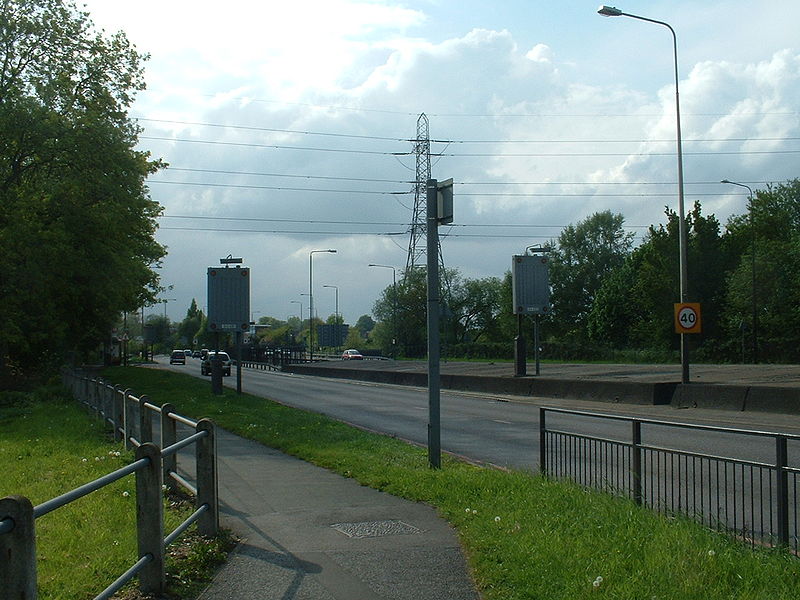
{"type": "Point", "coordinates": [205, 365]}
{"type": "Point", "coordinates": [352, 354]}
{"type": "Point", "coordinates": [187, 352]}
{"type": "Point", "coordinates": [178, 357]}
{"type": "Point", "coordinates": [196, 354]}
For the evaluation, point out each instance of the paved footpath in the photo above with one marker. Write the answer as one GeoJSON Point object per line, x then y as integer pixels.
{"type": "Point", "coordinates": [309, 534]}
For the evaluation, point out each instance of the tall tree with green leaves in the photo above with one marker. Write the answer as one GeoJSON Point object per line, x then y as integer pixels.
{"type": "Point", "coordinates": [77, 226]}
{"type": "Point", "coordinates": [582, 258]}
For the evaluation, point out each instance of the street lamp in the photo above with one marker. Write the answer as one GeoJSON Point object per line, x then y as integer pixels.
{"type": "Point", "coordinates": [752, 266]}
{"type": "Point", "coordinates": [165, 300]}
{"type": "Point", "coordinates": [301, 310]}
{"type": "Point", "coordinates": [394, 305]}
{"type": "Point", "coordinates": [336, 313]}
{"type": "Point", "coordinates": [610, 11]}
{"type": "Point", "coordinates": [311, 300]}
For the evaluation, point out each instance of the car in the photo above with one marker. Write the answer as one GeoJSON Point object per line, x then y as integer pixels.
{"type": "Point", "coordinates": [352, 354]}
{"type": "Point", "coordinates": [196, 354]}
{"type": "Point", "coordinates": [187, 352]}
{"type": "Point", "coordinates": [178, 357]}
{"type": "Point", "coordinates": [205, 365]}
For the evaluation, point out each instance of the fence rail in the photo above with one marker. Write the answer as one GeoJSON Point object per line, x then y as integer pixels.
{"type": "Point", "coordinates": [131, 420]}
{"type": "Point", "coordinates": [753, 497]}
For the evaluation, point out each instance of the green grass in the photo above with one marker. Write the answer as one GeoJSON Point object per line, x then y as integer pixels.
{"type": "Point", "coordinates": [49, 446]}
{"type": "Point", "coordinates": [524, 536]}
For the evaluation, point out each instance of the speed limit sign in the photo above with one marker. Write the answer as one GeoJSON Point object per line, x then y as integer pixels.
{"type": "Point", "coordinates": [687, 317]}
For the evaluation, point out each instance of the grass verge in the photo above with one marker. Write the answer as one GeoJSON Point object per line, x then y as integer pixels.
{"type": "Point", "coordinates": [524, 536]}
{"type": "Point", "coordinates": [48, 446]}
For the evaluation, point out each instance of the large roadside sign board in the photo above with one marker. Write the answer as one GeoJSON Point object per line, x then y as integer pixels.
{"type": "Point", "coordinates": [228, 299]}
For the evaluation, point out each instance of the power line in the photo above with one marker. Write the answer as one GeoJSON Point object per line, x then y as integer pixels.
{"type": "Point", "coordinates": [449, 141]}
{"type": "Point", "coordinates": [458, 183]}
{"type": "Point", "coordinates": [382, 223]}
{"type": "Point", "coordinates": [493, 154]}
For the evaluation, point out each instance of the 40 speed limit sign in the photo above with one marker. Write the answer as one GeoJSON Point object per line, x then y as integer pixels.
{"type": "Point", "coordinates": [687, 317]}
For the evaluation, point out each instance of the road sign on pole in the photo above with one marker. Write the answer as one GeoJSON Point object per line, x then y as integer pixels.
{"type": "Point", "coordinates": [687, 317]}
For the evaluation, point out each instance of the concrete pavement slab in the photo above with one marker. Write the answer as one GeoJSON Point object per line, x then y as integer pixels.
{"type": "Point", "coordinates": [309, 534]}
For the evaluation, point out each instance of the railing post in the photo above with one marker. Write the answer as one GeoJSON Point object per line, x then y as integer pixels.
{"type": "Point", "coordinates": [127, 418]}
{"type": "Point", "coordinates": [145, 421]}
{"type": "Point", "coordinates": [782, 490]}
{"type": "Point", "coordinates": [206, 459]}
{"type": "Point", "coordinates": [542, 442]}
{"type": "Point", "coordinates": [18, 550]}
{"type": "Point", "coordinates": [150, 519]}
{"type": "Point", "coordinates": [169, 435]}
{"type": "Point", "coordinates": [118, 412]}
{"type": "Point", "coordinates": [636, 461]}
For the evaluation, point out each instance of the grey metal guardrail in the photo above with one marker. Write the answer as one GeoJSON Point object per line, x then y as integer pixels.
{"type": "Point", "coordinates": [131, 420]}
{"type": "Point", "coordinates": [752, 496]}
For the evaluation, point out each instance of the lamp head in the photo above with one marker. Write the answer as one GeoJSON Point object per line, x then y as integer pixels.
{"type": "Point", "coordinates": [609, 11]}
{"type": "Point", "coordinates": [725, 181]}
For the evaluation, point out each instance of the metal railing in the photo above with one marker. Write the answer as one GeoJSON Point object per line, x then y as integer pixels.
{"type": "Point", "coordinates": [752, 495]}
{"type": "Point", "coordinates": [131, 420]}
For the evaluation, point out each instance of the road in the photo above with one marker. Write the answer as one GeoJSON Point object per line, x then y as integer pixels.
{"type": "Point", "coordinates": [504, 431]}
{"type": "Point", "coordinates": [499, 430]}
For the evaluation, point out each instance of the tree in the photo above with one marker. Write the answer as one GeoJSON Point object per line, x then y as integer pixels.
{"type": "Point", "coordinates": [582, 257]}
{"type": "Point", "coordinates": [365, 325]}
{"type": "Point", "coordinates": [774, 233]}
{"type": "Point", "coordinates": [190, 326]}
{"type": "Point", "coordinates": [410, 303]}
{"type": "Point", "coordinates": [77, 226]}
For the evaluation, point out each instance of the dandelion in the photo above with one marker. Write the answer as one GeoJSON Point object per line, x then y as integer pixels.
{"type": "Point", "coordinates": [497, 519]}
{"type": "Point", "coordinates": [711, 553]}
{"type": "Point", "coordinates": [83, 460]}
{"type": "Point", "coordinates": [96, 459]}
{"type": "Point", "coordinates": [468, 510]}
{"type": "Point", "coordinates": [125, 494]}
{"type": "Point", "coordinates": [596, 583]}
{"type": "Point", "coordinates": [474, 512]}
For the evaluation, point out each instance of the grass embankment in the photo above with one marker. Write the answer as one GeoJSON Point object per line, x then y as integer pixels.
{"type": "Point", "coordinates": [49, 446]}
{"type": "Point", "coordinates": [525, 537]}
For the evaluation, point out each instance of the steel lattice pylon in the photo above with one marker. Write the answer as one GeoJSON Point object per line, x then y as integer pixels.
{"type": "Point", "coordinates": [419, 228]}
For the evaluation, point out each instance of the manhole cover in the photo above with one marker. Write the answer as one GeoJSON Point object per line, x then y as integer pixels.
{"type": "Point", "coordinates": [375, 528]}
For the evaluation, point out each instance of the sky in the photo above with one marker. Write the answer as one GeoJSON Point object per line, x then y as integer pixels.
{"type": "Point", "coordinates": [290, 127]}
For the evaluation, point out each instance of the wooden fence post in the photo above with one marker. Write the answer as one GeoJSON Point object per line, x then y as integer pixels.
{"type": "Point", "coordinates": [169, 435]}
{"type": "Point", "coordinates": [18, 550]}
{"type": "Point", "coordinates": [145, 421]}
{"type": "Point", "coordinates": [150, 519]}
{"type": "Point", "coordinates": [127, 409]}
{"type": "Point", "coordinates": [206, 459]}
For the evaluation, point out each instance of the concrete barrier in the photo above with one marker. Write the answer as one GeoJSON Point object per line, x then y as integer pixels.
{"type": "Point", "coordinates": [756, 398]}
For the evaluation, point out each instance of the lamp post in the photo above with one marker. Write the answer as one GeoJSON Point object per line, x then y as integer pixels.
{"type": "Point", "coordinates": [301, 310]}
{"type": "Point", "coordinates": [311, 300]}
{"type": "Point", "coordinates": [752, 266]}
{"type": "Point", "coordinates": [394, 305]}
{"type": "Point", "coordinates": [610, 11]}
{"type": "Point", "coordinates": [336, 313]}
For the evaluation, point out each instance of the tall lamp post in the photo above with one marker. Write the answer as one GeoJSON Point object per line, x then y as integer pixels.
{"type": "Point", "coordinates": [610, 11]}
{"type": "Point", "coordinates": [335, 311]}
{"type": "Point", "coordinates": [311, 300]}
{"type": "Point", "coordinates": [752, 267]}
{"type": "Point", "coordinates": [301, 310]}
{"type": "Point", "coordinates": [394, 305]}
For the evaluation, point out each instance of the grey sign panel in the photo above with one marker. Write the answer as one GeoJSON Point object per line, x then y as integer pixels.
{"type": "Point", "coordinates": [530, 285]}
{"type": "Point", "coordinates": [228, 299]}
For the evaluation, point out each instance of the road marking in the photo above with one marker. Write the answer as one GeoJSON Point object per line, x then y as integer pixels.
{"type": "Point", "coordinates": [502, 422]}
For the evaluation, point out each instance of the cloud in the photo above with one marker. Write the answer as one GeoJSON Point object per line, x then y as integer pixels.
{"type": "Point", "coordinates": [527, 143]}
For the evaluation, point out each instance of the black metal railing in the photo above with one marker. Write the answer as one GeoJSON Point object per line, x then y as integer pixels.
{"type": "Point", "coordinates": [751, 493]}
